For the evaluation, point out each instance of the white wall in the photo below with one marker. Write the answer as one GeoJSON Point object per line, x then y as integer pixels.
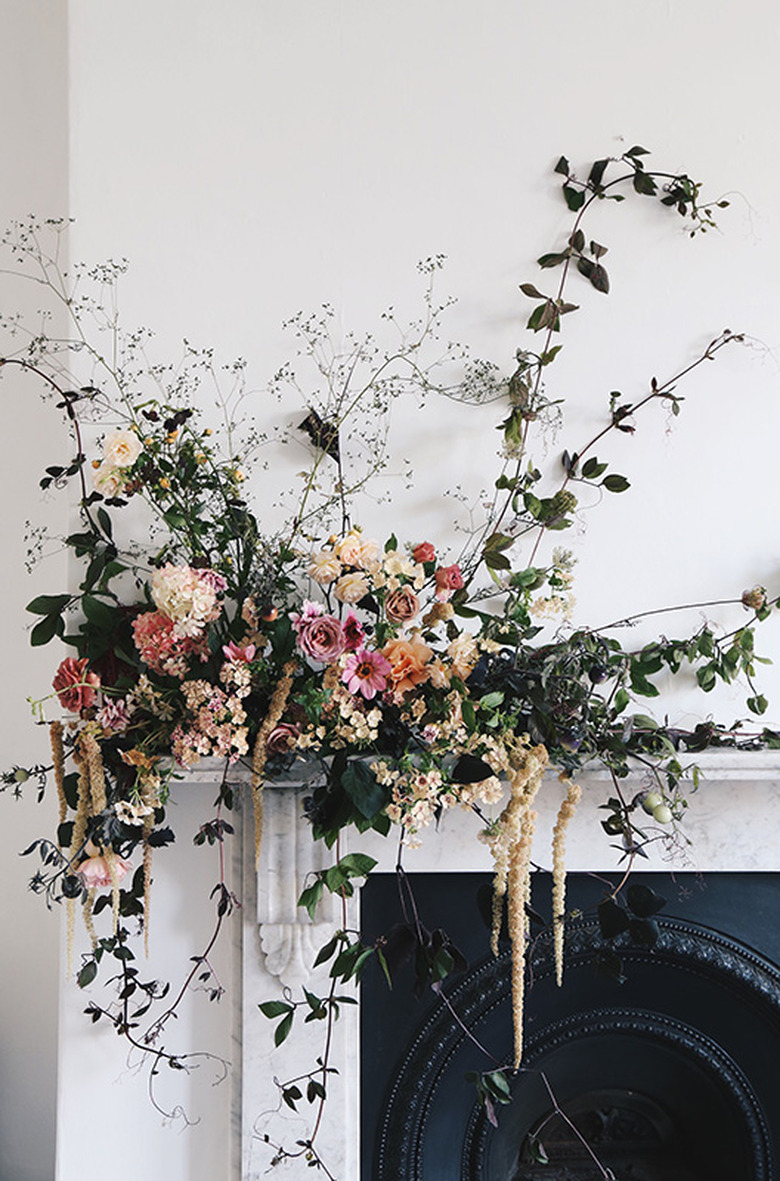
{"type": "Point", "coordinates": [33, 117]}
{"type": "Point", "coordinates": [254, 158]}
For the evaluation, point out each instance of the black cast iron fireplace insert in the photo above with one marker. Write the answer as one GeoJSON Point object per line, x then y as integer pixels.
{"type": "Point", "coordinates": [673, 1075]}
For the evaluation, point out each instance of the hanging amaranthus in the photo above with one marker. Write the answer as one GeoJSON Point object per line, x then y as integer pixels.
{"type": "Point", "coordinates": [565, 813]}
{"type": "Point", "coordinates": [510, 841]}
{"type": "Point", "coordinates": [58, 757]}
{"type": "Point", "coordinates": [260, 751]}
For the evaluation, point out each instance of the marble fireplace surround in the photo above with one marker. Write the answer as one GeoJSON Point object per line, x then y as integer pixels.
{"type": "Point", "coordinates": [733, 823]}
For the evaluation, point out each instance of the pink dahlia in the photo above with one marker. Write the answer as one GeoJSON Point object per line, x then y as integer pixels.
{"type": "Point", "coordinates": [366, 672]}
{"type": "Point", "coordinates": [74, 686]}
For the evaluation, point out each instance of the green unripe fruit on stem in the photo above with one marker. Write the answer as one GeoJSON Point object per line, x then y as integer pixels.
{"type": "Point", "coordinates": [652, 800]}
{"type": "Point", "coordinates": [662, 814]}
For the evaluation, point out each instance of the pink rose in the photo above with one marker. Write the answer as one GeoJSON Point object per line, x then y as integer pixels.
{"type": "Point", "coordinates": [96, 873]}
{"type": "Point", "coordinates": [448, 579]}
{"type": "Point", "coordinates": [282, 738]}
{"type": "Point", "coordinates": [74, 686]}
{"type": "Point", "coordinates": [401, 605]}
{"type": "Point", "coordinates": [424, 552]}
{"type": "Point", "coordinates": [320, 636]}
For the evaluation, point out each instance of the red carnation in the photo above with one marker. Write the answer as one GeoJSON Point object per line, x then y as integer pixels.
{"type": "Point", "coordinates": [74, 686]}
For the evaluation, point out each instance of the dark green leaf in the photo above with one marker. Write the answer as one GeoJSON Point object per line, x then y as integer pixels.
{"type": "Point", "coordinates": [87, 974]}
{"type": "Point", "coordinates": [360, 784]}
{"type": "Point", "coordinates": [47, 629]}
{"type": "Point", "coordinates": [613, 919]}
{"type": "Point", "coordinates": [48, 604]}
{"type": "Point", "coordinates": [552, 260]}
{"type": "Point", "coordinates": [282, 1030]}
{"type": "Point", "coordinates": [562, 166]}
{"type": "Point", "coordinates": [274, 1008]}
{"type": "Point", "coordinates": [599, 278]}
{"type": "Point", "coordinates": [575, 198]}
{"type": "Point", "coordinates": [643, 901]}
{"type": "Point", "coordinates": [615, 483]}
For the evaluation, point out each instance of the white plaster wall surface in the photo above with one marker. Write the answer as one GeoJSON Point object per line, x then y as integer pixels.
{"type": "Point", "coordinates": [33, 122]}
{"type": "Point", "coordinates": [253, 159]}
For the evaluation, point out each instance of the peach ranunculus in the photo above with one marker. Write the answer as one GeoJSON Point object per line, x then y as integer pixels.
{"type": "Point", "coordinates": [121, 448]}
{"type": "Point", "coordinates": [408, 664]}
{"type": "Point", "coordinates": [401, 605]}
{"type": "Point", "coordinates": [96, 871]}
{"type": "Point", "coordinates": [351, 588]}
{"type": "Point", "coordinates": [74, 686]}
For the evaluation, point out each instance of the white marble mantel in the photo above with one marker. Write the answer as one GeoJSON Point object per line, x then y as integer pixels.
{"type": "Point", "coordinates": [733, 824]}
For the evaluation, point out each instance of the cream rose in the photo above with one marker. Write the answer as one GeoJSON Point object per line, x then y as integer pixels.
{"type": "Point", "coordinates": [324, 567]}
{"type": "Point", "coordinates": [351, 588]}
{"type": "Point", "coordinates": [121, 448]}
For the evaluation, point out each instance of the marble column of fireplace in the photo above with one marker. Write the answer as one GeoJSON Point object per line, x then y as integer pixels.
{"type": "Point", "coordinates": [733, 824]}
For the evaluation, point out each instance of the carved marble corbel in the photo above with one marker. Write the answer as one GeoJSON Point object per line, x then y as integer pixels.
{"type": "Point", "coordinates": [288, 937]}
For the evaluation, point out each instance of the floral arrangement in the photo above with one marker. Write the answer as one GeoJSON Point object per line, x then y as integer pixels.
{"type": "Point", "coordinates": [414, 679]}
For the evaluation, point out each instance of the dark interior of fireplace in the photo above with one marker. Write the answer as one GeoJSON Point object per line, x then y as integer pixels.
{"type": "Point", "coordinates": [651, 1063]}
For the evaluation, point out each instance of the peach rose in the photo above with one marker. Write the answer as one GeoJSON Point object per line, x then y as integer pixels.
{"type": "Point", "coordinates": [96, 872]}
{"type": "Point", "coordinates": [424, 552]}
{"type": "Point", "coordinates": [448, 579]}
{"type": "Point", "coordinates": [401, 605]}
{"type": "Point", "coordinates": [356, 550]}
{"type": "Point", "coordinates": [408, 659]}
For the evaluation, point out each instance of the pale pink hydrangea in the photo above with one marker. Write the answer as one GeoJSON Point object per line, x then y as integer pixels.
{"type": "Point", "coordinates": [161, 648]}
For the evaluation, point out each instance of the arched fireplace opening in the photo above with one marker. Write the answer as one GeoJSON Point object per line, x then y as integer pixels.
{"type": "Point", "coordinates": [670, 1076]}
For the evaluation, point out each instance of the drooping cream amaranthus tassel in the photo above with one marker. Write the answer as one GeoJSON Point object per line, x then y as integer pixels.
{"type": "Point", "coordinates": [97, 778]}
{"type": "Point", "coordinates": [149, 797]}
{"type": "Point", "coordinates": [58, 756]}
{"type": "Point", "coordinates": [567, 810]}
{"type": "Point", "coordinates": [510, 841]}
{"type": "Point", "coordinates": [260, 752]}
{"type": "Point", "coordinates": [77, 840]}
{"type": "Point", "coordinates": [518, 896]}
{"type": "Point", "coordinates": [112, 869]}
{"type": "Point", "coordinates": [86, 911]}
